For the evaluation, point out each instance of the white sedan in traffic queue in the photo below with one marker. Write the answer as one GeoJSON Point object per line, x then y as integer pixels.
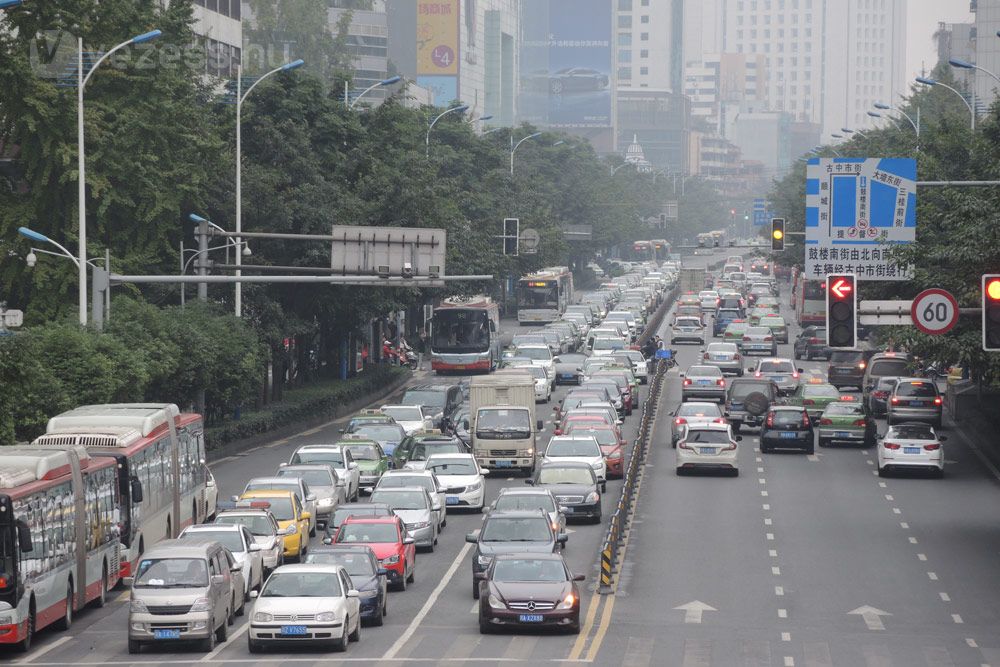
{"type": "Point", "coordinates": [911, 446]}
{"type": "Point", "coordinates": [711, 447]}
{"type": "Point", "coordinates": [579, 448]}
{"type": "Point", "coordinates": [463, 480]}
{"type": "Point", "coordinates": [693, 414]}
{"type": "Point", "coordinates": [303, 604]}
{"type": "Point", "coordinates": [240, 542]}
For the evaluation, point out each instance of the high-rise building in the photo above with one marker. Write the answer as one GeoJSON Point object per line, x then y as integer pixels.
{"type": "Point", "coordinates": [957, 40]}
{"type": "Point", "coordinates": [721, 85]}
{"type": "Point", "coordinates": [650, 44]}
{"type": "Point", "coordinates": [368, 44]}
{"type": "Point", "coordinates": [219, 24]}
{"type": "Point", "coordinates": [987, 50]}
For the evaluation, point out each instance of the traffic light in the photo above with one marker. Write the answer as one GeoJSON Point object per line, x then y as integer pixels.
{"type": "Point", "coordinates": [991, 312]}
{"type": "Point", "coordinates": [511, 236]}
{"type": "Point", "coordinates": [777, 233]}
{"type": "Point", "coordinates": [841, 311]}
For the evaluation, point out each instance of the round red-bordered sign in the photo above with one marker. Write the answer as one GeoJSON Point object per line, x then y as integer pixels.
{"type": "Point", "coordinates": [934, 311]}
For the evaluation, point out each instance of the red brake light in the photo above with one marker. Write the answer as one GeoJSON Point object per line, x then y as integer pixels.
{"type": "Point", "coordinates": [558, 431]}
{"type": "Point", "coordinates": [876, 394]}
{"type": "Point", "coordinates": [808, 401]}
{"type": "Point", "coordinates": [814, 340]}
{"type": "Point", "coordinates": [825, 422]}
{"type": "Point", "coordinates": [895, 400]}
{"type": "Point", "coordinates": [932, 447]}
{"type": "Point", "coordinates": [860, 422]}
{"type": "Point", "coordinates": [806, 423]}
{"type": "Point", "coordinates": [770, 420]}
{"type": "Point", "coordinates": [891, 445]}
{"type": "Point", "coordinates": [756, 374]}
{"type": "Point", "coordinates": [768, 339]}
{"type": "Point", "coordinates": [3, 582]}
{"type": "Point", "coordinates": [705, 356]}
{"type": "Point", "coordinates": [937, 400]}
{"type": "Point", "coordinates": [746, 339]}
{"type": "Point", "coordinates": [680, 420]}
{"type": "Point", "coordinates": [720, 420]}
{"type": "Point", "coordinates": [721, 382]}
{"type": "Point", "coordinates": [862, 365]}
{"type": "Point", "coordinates": [795, 375]}
{"type": "Point", "coordinates": [686, 382]}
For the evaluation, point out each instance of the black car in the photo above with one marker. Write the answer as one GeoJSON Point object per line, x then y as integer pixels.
{"type": "Point", "coordinates": [810, 343]}
{"type": "Point", "coordinates": [575, 486]}
{"type": "Point", "coordinates": [577, 79]}
{"type": "Point", "coordinates": [524, 532]}
{"type": "Point", "coordinates": [529, 590]}
{"type": "Point", "coordinates": [847, 367]}
{"type": "Point", "coordinates": [353, 509]}
{"type": "Point", "coordinates": [747, 400]}
{"type": "Point", "coordinates": [878, 397]}
{"type": "Point", "coordinates": [440, 402]}
{"type": "Point", "coordinates": [569, 368]}
{"type": "Point", "coordinates": [787, 427]}
{"type": "Point", "coordinates": [367, 575]}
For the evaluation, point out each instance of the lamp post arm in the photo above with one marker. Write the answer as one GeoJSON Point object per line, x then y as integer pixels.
{"type": "Point", "coordinates": [101, 60]}
{"type": "Point", "coordinates": [363, 93]}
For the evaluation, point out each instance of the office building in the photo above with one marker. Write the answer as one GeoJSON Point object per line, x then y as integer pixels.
{"type": "Point", "coordinates": [721, 85]}
{"type": "Point", "coordinates": [987, 55]}
{"type": "Point", "coordinates": [649, 44]}
{"type": "Point", "coordinates": [659, 120]}
{"type": "Point", "coordinates": [219, 24]}
{"type": "Point", "coordinates": [368, 43]}
{"type": "Point", "coordinates": [957, 40]}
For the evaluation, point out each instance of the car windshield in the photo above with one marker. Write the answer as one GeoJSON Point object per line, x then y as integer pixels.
{"type": "Point", "coordinates": [528, 570]}
{"type": "Point", "coordinates": [172, 573]}
{"type": "Point", "coordinates": [400, 500]}
{"type": "Point", "coordinates": [572, 447]}
{"type": "Point", "coordinates": [422, 451]}
{"type": "Point", "coordinates": [721, 348]}
{"type": "Point", "coordinates": [705, 371]}
{"type": "Point", "coordinates": [340, 516]}
{"type": "Point", "coordinates": [771, 321]}
{"type": "Point", "coordinates": [844, 410]}
{"type": "Point", "coordinates": [397, 481]}
{"type": "Point", "coordinates": [424, 397]}
{"type": "Point", "coordinates": [291, 485]}
{"type": "Point", "coordinates": [845, 356]}
{"type": "Point", "coordinates": [713, 437]}
{"type": "Point", "coordinates": [559, 475]}
{"type": "Point", "coordinates": [736, 328]}
{"type": "Point", "coordinates": [280, 508]}
{"type": "Point", "coordinates": [368, 533]}
{"type": "Point", "coordinates": [757, 331]}
{"type": "Point", "coordinates": [453, 467]}
{"type": "Point", "coordinates": [356, 564]}
{"type": "Point", "coordinates": [382, 432]}
{"type": "Point", "coordinates": [506, 422]}
{"type": "Point", "coordinates": [536, 372]}
{"type": "Point", "coordinates": [776, 367]}
{"type": "Point", "coordinates": [227, 538]}
{"type": "Point", "coordinates": [912, 388]}
{"type": "Point", "coordinates": [335, 459]}
{"type": "Point", "coordinates": [364, 452]}
{"type": "Point", "coordinates": [311, 477]}
{"type": "Point", "coordinates": [888, 367]}
{"type": "Point", "coordinates": [302, 585]}
{"type": "Point", "coordinates": [504, 529]}
{"type": "Point", "coordinates": [911, 432]}
{"type": "Point", "coordinates": [698, 410]}
{"type": "Point", "coordinates": [525, 501]}
{"type": "Point", "coordinates": [608, 343]}
{"type": "Point", "coordinates": [257, 525]}
{"type": "Point", "coordinates": [404, 413]}
{"type": "Point", "coordinates": [688, 322]}
{"type": "Point", "coordinates": [572, 359]}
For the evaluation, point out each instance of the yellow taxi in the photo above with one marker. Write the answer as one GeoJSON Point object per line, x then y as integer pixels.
{"type": "Point", "coordinates": [290, 515]}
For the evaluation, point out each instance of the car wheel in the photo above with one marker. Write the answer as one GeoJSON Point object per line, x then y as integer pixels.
{"type": "Point", "coordinates": [231, 615]}
{"type": "Point", "coordinates": [882, 472]}
{"type": "Point", "coordinates": [811, 449]}
{"type": "Point", "coordinates": [66, 621]}
{"type": "Point", "coordinates": [484, 626]}
{"type": "Point", "coordinates": [208, 643]}
{"type": "Point", "coordinates": [413, 574]}
{"type": "Point", "coordinates": [379, 619]}
{"type": "Point", "coordinates": [797, 355]}
{"type": "Point", "coordinates": [574, 627]}
{"type": "Point", "coordinates": [312, 532]}
{"type": "Point", "coordinates": [340, 645]}
{"type": "Point", "coordinates": [356, 635]}
{"type": "Point", "coordinates": [475, 589]}
{"type": "Point", "coordinates": [253, 646]}
{"type": "Point", "coordinates": [222, 634]}
{"type": "Point", "coordinates": [134, 647]}
{"type": "Point", "coordinates": [939, 473]}
{"type": "Point", "coordinates": [401, 584]}
{"type": "Point", "coordinates": [823, 443]}
{"type": "Point", "coordinates": [735, 472]}
{"type": "Point", "coordinates": [764, 449]}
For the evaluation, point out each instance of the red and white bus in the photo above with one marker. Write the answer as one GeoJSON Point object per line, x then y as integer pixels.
{"type": "Point", "coordinates": [159, 454]}
{"type": "Point", "coordinates": [59, 537]}
{"type": "Point", "coordinates": [808, 299]}
{"type": "Point", "coordinates": [465, 335]}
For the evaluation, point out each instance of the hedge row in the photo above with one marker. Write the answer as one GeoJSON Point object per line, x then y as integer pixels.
{"type": "Point", "coordinates": [322, 400]}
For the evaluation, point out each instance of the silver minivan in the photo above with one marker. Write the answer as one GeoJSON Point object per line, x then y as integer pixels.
{"type": "Point", "coordinates": [184, 591]}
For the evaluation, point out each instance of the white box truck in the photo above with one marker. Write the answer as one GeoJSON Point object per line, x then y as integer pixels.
{"type": "Point", "coordinates": [692, 280]}
{"type": "Point", "coordinates": [502, 424]}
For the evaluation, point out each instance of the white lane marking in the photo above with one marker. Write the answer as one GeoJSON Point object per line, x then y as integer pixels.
{"type": "Point", "coordinates": [768, 522]}
{"type": "Point", "coordinates": [944, 597]}
{"type": "Point", "coordinates": [209, 657]}
{"type": "Point", "coordinates": [813, 458]}
{"type": "Point", "coordinates": [922, 557]}
{"type": "Point", "coordinates": [882, 485]}
{"type": "Point", "coordinates": [782, 613]}
{"type": "Point", "coordinates": [42, 651]}
{"type": "Point", "coordinates": [510, 479]}
{"type": "Point", "coordinates": [435, 594]}
{"type": "Point", "coordinates": [773, 553]}
{"type": "Point", "coordinates": [871, 616]}
{"type": "Point", "coordinates": [761, 480]}
{"type": "Point", "coordinates": [694, 610]}
{"type": "Point", "coordinates": [957, 618]}
{"type": "Point", "coordinates": [764, 494]}
{"type": "Point", "coordinates": [971, 642]}
{"type": "Point", "coordinates": [896, 510]}
{"type": "Point", "coordinates": [475, 608]}
{"type": "Point", "coordinates": [870, 462]}
{"type": "Point", "coordinates": [779, 590]}
{"type": "Point", "coordinates": [904, 525]}
{"type": "Point", "coordinates": [770, 536]}
{"type": "Point", "coordinates": [932, 576]}
{"type": "Point", "coordinates": [786, 636]}
{"type": "Point", "coordinates": [760, 468]}
{"type": "Point", "coordinates": [765, 507]}
{"type": "Point", "coordinates": [759, 459]}
{"type": "Point", "coordinates": [789, 661]}
{"type": "Point", "coordinates": [776, 571]}
{"type": "Point", "coordinates": [913, 540]}
{"type": "Point", "coordinates": [889, 497]}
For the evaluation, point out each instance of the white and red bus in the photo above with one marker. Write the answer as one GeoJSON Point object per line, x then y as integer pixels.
{"type": "Point", "coordinates": [543, 296]}
{"type": "Point", "coordinates": [465, 335]}
{"type": "Point", "coordinates": [808, 299]}
{"type": "Point", "coordinates": [59, 537]}
{"type": "Point", "coordinates": [159, 454]}
{"type": "Point", "coordinates": [641, 251]}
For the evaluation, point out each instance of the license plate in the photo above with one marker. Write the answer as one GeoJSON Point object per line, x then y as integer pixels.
{"type": "Point", "coordinates": [842, 434]}
{"type": "Point", "coordinates": [911, 450]}
{"type": "Point", "coordinates": [294, 630]}
{"type": "Point", "coordinates": [916, 404]}
{"type": "Point", "coordinates": [788, 434]}
{"type": "Point", "coordinates": [451, 500]}
{"type": "Point", "coordinates": [530, 618]}
{"type": "Point", "coordinates": [706, 450]}
{"type": "Point", "coordinates": [504, 464]}
{"type": "Point", "coordinates": [704, 382]}
{"type": "Point", "coordinates": [778, 378]}
{"type": "Point", "coordinates": [719, 357]}
{"type": "Point", "coordinates": [166, 634]}
{"type": "Point", "coordinates": [567, 376]}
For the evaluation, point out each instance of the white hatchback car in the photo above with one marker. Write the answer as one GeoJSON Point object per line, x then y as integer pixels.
{"type": "Point", "coordinates": [308, 603]}
{"type": "Point", "coordinates": [463, 479]}
{"type": "Point", "coordinates": [580, 448]}
{"type": "Point", "coordinates": [711, 446]}
{"type": "Point", "coordinates": [911, 446]}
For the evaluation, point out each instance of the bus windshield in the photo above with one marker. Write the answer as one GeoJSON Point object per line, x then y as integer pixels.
{"type": "Point", "coordinates": [538, 294]}
{"type": "Point", "coordinates": [460, 330]}
{"type": "Point", "coordinates": [812, 290]}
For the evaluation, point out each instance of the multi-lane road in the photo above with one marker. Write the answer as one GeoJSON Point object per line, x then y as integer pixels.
{"type": "Point", "coordinates": [798, 561]}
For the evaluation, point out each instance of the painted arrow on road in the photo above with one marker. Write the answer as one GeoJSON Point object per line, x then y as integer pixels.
{"type": "Point", "coordinates": [871, 616]}
{"type": "Point", "coordinates": [693, 610]}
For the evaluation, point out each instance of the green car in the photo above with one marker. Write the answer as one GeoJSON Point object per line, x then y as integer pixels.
{"type": "Point", "coordinates": [364, 419]}
{"type": "Point", "coordinates": [777, 326]}
{"type": "Point", "coordinates": [734, 333]}
{"type": "Point", "coordinates": [846, 422]}
{"type": "Point", "coordinates": [419, 442]}
{"type": "Point", "coordinates": [814, 397]}
{"type": "Point", "coordinates": [371, 460]}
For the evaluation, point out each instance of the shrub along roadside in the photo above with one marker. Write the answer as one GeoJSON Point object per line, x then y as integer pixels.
{"type": "Point", "coordinates": [319, 401]}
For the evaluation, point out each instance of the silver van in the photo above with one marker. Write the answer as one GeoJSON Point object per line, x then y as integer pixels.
{"type": "Point", "coordinates": [184, 591]}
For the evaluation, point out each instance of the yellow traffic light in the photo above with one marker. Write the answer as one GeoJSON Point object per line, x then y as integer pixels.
{"type": "Point", "coordinates": [778, 234]}
{"type": "Point", "coordinates": [993, 289]}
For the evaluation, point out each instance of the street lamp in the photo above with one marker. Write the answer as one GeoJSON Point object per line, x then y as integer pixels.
{"type": "Point", "coordinates": [81, 83]}
{"type": "Point", "coordinates": [480, 119]}
{"type": "Point", "coordinates": [7, 4]}
{"type": "Point", "coordinates": [559, 143]}
{"type": "Point", "coordinates": [847, 130]}
{"type": "Point", "coordinates": [964, 64]}
{"type": "Point", "coordinates": [614, 170]}
{"type": "Point", "coordinates": [42, 238]}
{"type": "Point", "coordinates": [888, 107]}
{"type": "Point", "coordinates": [194, 217]}
{"type": "Point", "coordinates": [972, 113]}
{"type": "Point", "coordinates": [384, 82]}
{"type": "Point", "coordinates": [514, 147]}
{"type": "Point", "coordinates": [837, 136]}
{"type": "Point", "coordinates": [495, 129]}
{"type": "Point", "coordinates": [461, 108]}
{"type": "Point", "coordinates": [241, 96]}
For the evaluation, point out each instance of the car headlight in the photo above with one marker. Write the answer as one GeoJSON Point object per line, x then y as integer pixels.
{"type": "Point", "coordinates": [496, 602]}
{"type": "Point", "coordinates": [291, 530]}
{"type": "Point", "coordinates": [593, 497]}
{"type": "Point", "coordinates": [135, 606]}
{"type": "Point", "coordinates": [325, 502]}
{"type": "Point", "coordinates": [391, 560]}
{"type": "Point", "coordinates": [568, 602]}
{"type": "Point", "coordinates": [597, 465]}
{"type": "Point", "coordinates": [326, 616]}
{"type": "Point", "coordinates": [617, 454]}
{"type": "Point", "coordinates": [368, 594]}
{"type": "Point", "coordinates": [418, 525]}
{"type": "Point", "coordinates": [484, 560]}
{"type": "Point", "coordinates": [262, 617]}
{"type": "Point", "coordinates": [202, 604]}
{"type": "Point", "coordinates": [475, 486]}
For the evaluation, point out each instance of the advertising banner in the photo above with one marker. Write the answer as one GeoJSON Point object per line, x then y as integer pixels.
{"type": "Point", "coordinates": [437, 37]}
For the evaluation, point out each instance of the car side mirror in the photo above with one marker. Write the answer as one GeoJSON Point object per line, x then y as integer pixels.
{"type": "Point", "coordinates": [341, 430]}
{"type": "Point", "coordinates": [127, 582]}
{"type": "Point", "coordinates": [234, 498]}
{"type": "Point", "coordinates": [136, 487]}
{"type": "Point", "coordinates": [236, 567]}
{"type": "Point", "coordinates": [306, 516]}
{"type": "Point", "coordinates": [483, 470]}
{"type": "Point", "coordinates": [799, 370]}
{"type": "Point", "coordinates": [681, 374]}
{"type": "Point", "coordinates": [408, 540]}
{"type": "Point", "coordinates": [255, 547]}
{"type": "Point", "coordinates": [284, 531]}
{"type": "Point", "coordinates": [218, 579]}
{"type": "Point", "coordinates": [540, 424]}
{"type": "Point", "coordinates": [479, 576]}
{"type": "Point", "coordinates": [529, 482]}
{"type": "Point", "coordinates": [465, 424]}
{"type": "Point", "coordinates": [311, 498]}
{"type": "Point", "coordinates": [327, 540]}
{"type": "Point", "coordinates": [254, 595]}
{"type": "Point", "coordinates": [738, 438]}
{"type": "Point", "coordinates": [579, 577]}
{"type": "Point", "coordinates": [943, 438]}
{"type": "Point", "coordinates": [352, 466]}
{"type": "Point", "coordinates": [472, 538]}
{"type": "Point", "coordinates": [282, 465]}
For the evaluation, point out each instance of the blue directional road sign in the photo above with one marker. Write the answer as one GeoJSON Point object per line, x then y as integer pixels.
{"type": "Point", "coordinates": [761, 214]}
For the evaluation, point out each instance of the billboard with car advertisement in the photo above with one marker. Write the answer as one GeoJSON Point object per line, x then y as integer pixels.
{"type": "Point", "coordinates": [567, 63]}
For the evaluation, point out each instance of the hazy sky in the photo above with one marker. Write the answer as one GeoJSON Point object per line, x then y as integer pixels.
{"type": "Point", "coordinates": [922, 17]}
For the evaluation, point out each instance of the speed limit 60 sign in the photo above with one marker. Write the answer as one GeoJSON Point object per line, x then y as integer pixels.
{"type": "Point", "coordinates": [934, 311]}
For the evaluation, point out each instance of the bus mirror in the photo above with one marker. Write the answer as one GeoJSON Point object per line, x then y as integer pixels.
{"type": "Point", "coordinates": [24, 537]}
{"type": "Point", "coordinates": [136, 487]}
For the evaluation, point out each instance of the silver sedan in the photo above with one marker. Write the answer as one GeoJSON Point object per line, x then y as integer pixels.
{"type": "Point", "coordinates": [724, 356]}
{"type": "Point", "coordinates": [703, 382]}
{"type": "Point", "coordinates": [693, 413]}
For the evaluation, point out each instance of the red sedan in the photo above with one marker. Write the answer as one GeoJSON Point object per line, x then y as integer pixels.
{"type": "Point", "coordinates": [611, 442]}
{"type": "Point", "coordinates": [387, 537]}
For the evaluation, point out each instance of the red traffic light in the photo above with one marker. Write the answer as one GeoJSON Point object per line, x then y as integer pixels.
{"type": "Point", "coordinates": [841, 287]}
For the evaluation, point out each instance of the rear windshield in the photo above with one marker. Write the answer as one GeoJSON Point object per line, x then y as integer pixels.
{"type": "Point", "coordinates": [741, 390]}
{"type": "Point", "coordinates": [712, 437]}
{"type": "Point", "coordinates": [698, 410]}
{"type": "Point", "coordinates": [887, 368]}
{"type": "Point", "coordinates": [786, 417]}
{"type": "Point", "coordinates": [705, 371]}
{"type": "Point", "coordinates": [844, 409]}
{"type": "Point", "coordinates": [846, 356]}
{"type": "Point", "coordinates": [917, 389]}
{"type": "Point", "coordinates": [776, 367]}
{"type": "Point", "coordinates": [912, 432]}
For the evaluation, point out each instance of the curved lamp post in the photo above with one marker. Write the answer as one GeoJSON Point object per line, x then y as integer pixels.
{"type": "Point", "coordinates": [384, 82]}
{"type": "Point", "coordinates": [81, 84]}
{"type": "Point", "coordinates": [514, 147]}
{"type": "Point", "coordinates": [427, 139]}
{"type": "Point", "coordinates": [932, 82]}
{"type": "Point", "coordinates": [241, 96]}
{"type": "Point", "coordinates": [889, 107]}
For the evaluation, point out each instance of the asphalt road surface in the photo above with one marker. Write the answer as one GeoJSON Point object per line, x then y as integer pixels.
{"type": "Point", "coordinates": [798, 561]}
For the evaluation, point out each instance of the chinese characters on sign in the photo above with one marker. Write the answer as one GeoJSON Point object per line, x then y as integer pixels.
{"type": "Point", "coordinates": [437, 48]}
{"type": "Point", "coordinates": [857, 211]}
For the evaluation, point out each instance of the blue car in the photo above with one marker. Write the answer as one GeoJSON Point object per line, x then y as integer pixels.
{"type": "Point", "coordinates": [723, 318]}
{"type": "Point", "coordinates": [367, 575]}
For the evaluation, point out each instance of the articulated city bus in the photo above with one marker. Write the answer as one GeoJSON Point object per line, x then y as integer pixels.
{"type": "Point", "coordinates": [59, 537]}
{"type": "Point", "coordinates": [543, 296]}
{"type": "Point", "coordinates": [160, 461]}
{"type": "Point", "coordinates": [465, 335]}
